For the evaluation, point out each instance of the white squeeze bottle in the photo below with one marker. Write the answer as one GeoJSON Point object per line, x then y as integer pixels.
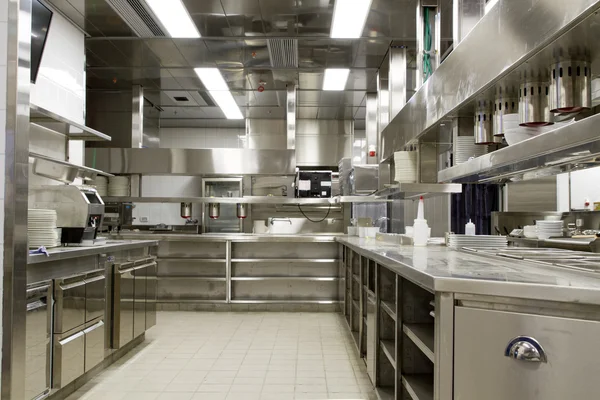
{"type": "Point", "coordinates": [420, 227]}
{"type": "Point", "coordinates": [470, 228]}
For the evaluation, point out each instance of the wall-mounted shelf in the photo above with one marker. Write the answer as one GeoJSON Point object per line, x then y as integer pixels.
{"type": "Point", "coordinates": [571, 147]}
{"type": "Point", "coordinates": [62, 171]}
{"type": "Point", "coordinates": [73, 130]}
{"type": "Point", "coordinates": [422, 335]}
{"type": "Point", "coordinates": [412, 191]}
{"type": "Point", "coordinates": [274, 200]}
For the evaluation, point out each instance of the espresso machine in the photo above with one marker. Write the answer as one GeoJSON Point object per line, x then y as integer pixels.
{"type": "Point", "coordinates": [79, 209]}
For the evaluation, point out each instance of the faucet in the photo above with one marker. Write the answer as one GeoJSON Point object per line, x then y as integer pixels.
{"type": "Point", "coordinates": [280, 219]}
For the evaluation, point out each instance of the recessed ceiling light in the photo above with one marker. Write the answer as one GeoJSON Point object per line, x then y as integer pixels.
{"type": "Point", "coordinates": [349, 17]}
{"type": "Point", "coordinates": [217, 87]}
{"type": "Point", "coordinates": [174, 17]}
{"type": "Point", "coordinates": [335, 78]}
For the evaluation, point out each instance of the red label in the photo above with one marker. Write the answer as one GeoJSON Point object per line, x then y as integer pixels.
{"type": "Point", "coordinates": [371, 154]}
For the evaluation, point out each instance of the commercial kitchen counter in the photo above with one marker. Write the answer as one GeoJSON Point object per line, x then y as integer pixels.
{"type": "Point", "coordinates": [64, 253]}
{"type": "Point", "coordinates": [237, 237]}
{"type": "Point", "coordinates": [441, 269]}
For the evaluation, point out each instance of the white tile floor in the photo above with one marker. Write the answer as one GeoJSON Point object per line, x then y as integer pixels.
{"type": "Point", "coordinates": [249, 356]}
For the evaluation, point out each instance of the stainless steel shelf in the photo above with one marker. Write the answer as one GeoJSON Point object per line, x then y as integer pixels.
{"type": "Point", "coordinates": [284, 301]}
{"type": "Point", "coordinates": [202, 260]}
{"type": "Point", "coordinates": [264, 200]}
{"type": "Point", "coordinates": [355, 304]}
{"type": "Point", "coordinates": [62, 171]}
{"type": "Point", "coordinates": [195, 278]}
{"type": "Point", "coordinates": [419, 387]}
{"type": "Point", "coordinates": [73, 130]}
{"type": "Point", "coordinates": [389, 308]}
{"type": "Point", "coordinates": [411, 191]}
{"type": "Point", "coordinates": [190, 301]}
{"type": "Point", "coordinates": [285, 278]}
{"type": "Point", "coordinates": [385, 393]}
{"type": "Point", "coordinates": [571, 147]}
{"type": "Point", "coordinates": [284, 260]}
{"type": "Point", "coordinates": [356, 278]}
{"type": "Point", "coordinates": [389, 349]}
{"type": "Point", "coordinates": [422, 335]}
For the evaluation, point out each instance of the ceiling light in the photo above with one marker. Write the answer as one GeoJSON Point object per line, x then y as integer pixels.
{"type": "Point", "coordinates": [349, 17]}
{"type": "Point", "coordinates": [174, 17]}
{"type": "Point", "coordinates": [335, 78]}
{"type": "Point", "coordinates": [217, 87]}
{"type": "Point", "coordinates": [489, 5]}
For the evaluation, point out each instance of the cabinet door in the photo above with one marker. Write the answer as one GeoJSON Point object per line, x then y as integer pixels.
{"type": "Point", "coordinates": [483, 371]}
{"type": "Point", "coordinates": [94, 345]}
{"type": "Point", "coordinates": [139, 303]}
{"type": "Point", "coordinates": [151, 295]}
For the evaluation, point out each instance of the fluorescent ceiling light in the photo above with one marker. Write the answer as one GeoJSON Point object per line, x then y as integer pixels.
{"type": "Point", "coordinates": [489, 5]}
{"type": "Point", "coordinates": [217, 87]}
{"type": "Point", "coordinates": [335, 78]}
{"type": "Point", "coordinates": [174, 17]}
{"type": "Point", "coordinates": [349, 17]}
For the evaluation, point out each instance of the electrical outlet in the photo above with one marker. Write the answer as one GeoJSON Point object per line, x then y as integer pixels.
{"type": "Point", "coordinates": [143, 219]}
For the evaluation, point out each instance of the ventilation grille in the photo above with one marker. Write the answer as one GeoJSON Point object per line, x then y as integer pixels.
{"type": "Point", "coordinates": [283, 53]}
{"type": "Point", "coordinates": [136, 17]}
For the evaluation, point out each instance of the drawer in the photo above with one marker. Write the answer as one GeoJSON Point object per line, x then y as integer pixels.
{"type": "Point", "coordinates": [68, 358]}
{"type": "Point", "coordinates": [94, 345]}
{"type": "Point", "coordinates": [483, 371]}
{"type": "Point", "coordinates": [69, 296]}
{"type": "Point", "coordinates": [95, 296]}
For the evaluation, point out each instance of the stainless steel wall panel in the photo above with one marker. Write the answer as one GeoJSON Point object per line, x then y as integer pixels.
{"type": "Point", "coordinates": [137, 116]}
{"type": "Point", "coordinates": [523, 29]}
{"type": "Point", "coordinates": [372, 128]}
{"type": "Point", "coordinates": [291, 116]}
{"type": "Point", "coordinates": [266, 134]}
{"type": "Point", "coordinates": [183, 250]}
{"type": "Point", "coordinates": [284, 269]}
{"type": "Point", "coordinates": [465, 15]}
{"type": "Point", "coordinates": [275, 250]}
{"type": "Point", "coordinates": [293, 290]}
{"type": "Point", "coordinates": [174, 289]}
{"type": "Point", "coordinates": [397, 81]}
{"type": "Point", "coordinates": [173, 267]}
{"type": "Point", "coordinates": [193, 162]}
{"type": "Point", "coordinates": [323, 142]}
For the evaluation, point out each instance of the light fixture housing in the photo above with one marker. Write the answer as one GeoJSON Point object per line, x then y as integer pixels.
{"type": "Point", "coordinates": [349, 17]}
{"type": "Point", "coordinates": [335, 78]}
{"type": "Point", "coordinates": [174, 17]}
{"type": "Point", "coordinates": [217, 87]}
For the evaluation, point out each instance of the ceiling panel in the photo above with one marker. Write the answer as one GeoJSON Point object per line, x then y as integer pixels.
{"type": "Point", "coordinates": [203, 7]}
{"type": "Point", "coordinates": [100, 16]}
{"type": "Point", "coordinates": [308, 112]}
{"type": "Point", "coordinates": [308, 97]}
{"type": "Point", "coordinates": [166, 52]}
{"type": "Point", "coordinates": [138, 54]}
{"type": "Point", "coordinates": [212, 24]}
{"type": "Point", "coordinates": [391, 18]}
{"type": "Point", "coordinates": [195, 52]}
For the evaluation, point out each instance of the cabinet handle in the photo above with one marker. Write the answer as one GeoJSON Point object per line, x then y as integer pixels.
{"type": "Point", "coordinates": [525, 348]}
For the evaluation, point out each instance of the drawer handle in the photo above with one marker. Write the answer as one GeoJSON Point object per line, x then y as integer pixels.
{"type": "Point", "coordinates": [525, 348]}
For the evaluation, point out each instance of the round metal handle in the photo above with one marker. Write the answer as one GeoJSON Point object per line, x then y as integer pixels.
{"type": "Point", "coordinates": [525, 348]}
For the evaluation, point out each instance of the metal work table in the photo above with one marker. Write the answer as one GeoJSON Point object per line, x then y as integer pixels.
{"type": "Point", "coordinates": [223, 237]}
{"type": "Point", "coordinates": [65, 253]}
{"type": "Point", "coordinates": [440, 269]}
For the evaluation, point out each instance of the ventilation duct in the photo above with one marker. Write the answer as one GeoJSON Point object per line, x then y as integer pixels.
{"type": "Point", "coordinates": [137, 17]}
{"type": "Point", "coordinates": [283, 53]}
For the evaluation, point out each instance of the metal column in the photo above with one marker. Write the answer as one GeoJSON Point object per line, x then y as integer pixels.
{"type": "Point", "coordinates": [397, 80]}
{"type": "Point", "coordinates": [371, 129]}
{"type": "Point", "coordinates": [137, 116]}
{"type": "Point", "coordinates": [383, 100]}
{"type": "Point", "coordinates": [16, 173]}
{"type": "Point", "coordinates": [465, 15]}
{"type": "Point", "coordinates": [291, 116]}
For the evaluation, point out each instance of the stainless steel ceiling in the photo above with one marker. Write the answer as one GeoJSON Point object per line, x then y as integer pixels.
{"type": "Point", "coordinates": [234, 39]}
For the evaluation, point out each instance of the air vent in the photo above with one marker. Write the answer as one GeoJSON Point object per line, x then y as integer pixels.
{"type": "Point", "coordinates": [181, 98]}
{"type": "Point", "coordinates": [283, 53]}
{"type": "Point", "coordinates": [137, 17]}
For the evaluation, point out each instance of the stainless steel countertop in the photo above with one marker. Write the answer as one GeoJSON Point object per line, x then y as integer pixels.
{"type": "Point", "coordinates": [439, 268]}
{"type": "Point", "coordinates": [64, 253]}
{"type": "Point", "coordinates": [234, 237]}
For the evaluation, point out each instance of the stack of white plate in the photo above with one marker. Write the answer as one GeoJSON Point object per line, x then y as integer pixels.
{"type": "Point", "coordinates": [41, 228]}
{"type": "Point", "coordinates": [465, 148]}
{"type": "Point", "coordinates": [118, 186]}
{"type": "Point", "coordinates": [548, 229]}
{"type": "Point", "coordinates": [406, 166]}
{"type": "Point", "coordinates": [478, 241]}
{"type": "Point", "coordinates": [101, 183]}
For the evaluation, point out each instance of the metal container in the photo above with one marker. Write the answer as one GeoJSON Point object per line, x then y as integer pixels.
{"type": "Point", "coordinates": [505, 105]}
{"type": "Point", "coordinates": [570, 87]}
{"type": "Point", "coordinates": [186, 210]}
{"type": "Point", "coordinates": [484, 128]}
{"type": "Point", "coordinates": [214, 210]}
{"type": "Point", "coordinates": [534, 108]}
{"type": "Point", "coordinates": [242, 210]}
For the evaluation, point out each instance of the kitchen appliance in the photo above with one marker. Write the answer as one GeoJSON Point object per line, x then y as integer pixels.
{"type": "Point", "coordinates": [221, 218]}
{"type": "Point", "coordinates": [186, 210]}
{"type": "Point", "coordinates": [364, 179]}
{"type": "Point", "coordinates": [117, 215]}
{"type": "Point", "coordinates": [37, 340]}
{"type": "Point", "coordinates": [80, 210]}
{"type": "Point", "coordinates": [313, 184]}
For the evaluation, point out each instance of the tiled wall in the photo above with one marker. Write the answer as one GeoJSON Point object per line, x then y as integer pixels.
{"type": "Point", "coordinates": [3, 77]}
{"type": "Point", "coordinates": [202, 138]}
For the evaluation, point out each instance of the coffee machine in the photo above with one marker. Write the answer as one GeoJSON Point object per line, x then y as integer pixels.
{"type": "Point", "coordinates": [79, 209]}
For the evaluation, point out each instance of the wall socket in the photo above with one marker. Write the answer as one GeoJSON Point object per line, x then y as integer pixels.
{"type": "Point", "coordinates": [143, 219]}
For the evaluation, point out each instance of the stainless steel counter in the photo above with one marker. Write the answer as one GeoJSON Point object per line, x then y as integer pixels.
{"type": "Point", "coordinates": [222, 237]}
{"type": "Point", "coordinates": [440, 269]}
{"type": "Point", "coordinates": [65, 253]}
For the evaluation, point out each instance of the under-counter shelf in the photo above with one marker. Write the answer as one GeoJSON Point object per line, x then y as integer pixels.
{"type": "Point", "coordinates": [389, 349]}
{"type": "Point", "coordinates": [385, 393]}
{"type": "Point", "coordinates": [284, 260]}
{"type": "Point", "coordinates": [408, 191]}
{"type": "Point", "coordinates": [73, 130]}
{"type": "Point", "coordinates": [283, 301]}
{"type": "Point", "coordinates": [422, 335]}
{"type": "Point", "coordinates": [199, 260]}
{"type": "Point", "coordinates": [356, 278]}
{"type": "Point", "coordinates": [355, 304]}
{"type": "Point", "coordinates": [62, 171]}
{"type": "Point", "coordinates": [194, 277]}
{"type": "Point", "coordinates": [419, 387]}
{"type": "Point", "coordinates": [286, 278]}
{"type": "Point", "coordinates": [389, 308]}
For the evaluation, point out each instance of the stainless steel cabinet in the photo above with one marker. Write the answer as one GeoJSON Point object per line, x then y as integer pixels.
{"type": "Point", "coordinates": [505, 355]}
{"type": "Point", "coordinates": [37, 341]}
{"type": "Point", "coordinates": [68, 358]}
{"type": "Point", "coordinates": [69, 307]}
{"type": "Point", "coordinates": [95, 296]}
{"type": "Point", "coordinates": [372, 336]}
{"type": "Point", "coordinates": [94, 345]}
